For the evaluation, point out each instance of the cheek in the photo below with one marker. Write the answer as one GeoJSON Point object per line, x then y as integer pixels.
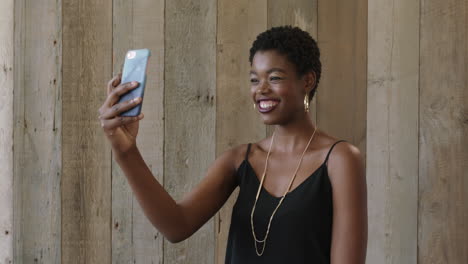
{"type": "Point", "coordinates": [285, 91]}
{"type": "Point", "coordinates": [253, 90]}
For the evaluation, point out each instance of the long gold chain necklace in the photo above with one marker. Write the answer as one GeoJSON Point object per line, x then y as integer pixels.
{"type": "Point", "coordinates": [263, 241]}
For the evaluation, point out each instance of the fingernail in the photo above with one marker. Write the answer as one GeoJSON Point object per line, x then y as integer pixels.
{"type": "Point", "coordinates": [134, 83]}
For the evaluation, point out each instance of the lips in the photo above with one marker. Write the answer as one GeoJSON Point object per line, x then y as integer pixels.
{"type": "Point", "coordinates": [265, 106]}
{"type": "Point", "coordinates": [267, 99]}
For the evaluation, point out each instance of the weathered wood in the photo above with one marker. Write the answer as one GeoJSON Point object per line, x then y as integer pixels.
{"type": "Point", "coordinates": [392, 130]}
{"type": "Point", "coordinates": [342, 36]}
{"type": "Point", "coordinates": [86, 178]}
{"type": "Point", "coordinates": [139, 24]}
{"type": "Point", "coordinates": [37, 132]}
{"type": "Point", "coordinates": [300, 13]}
{"type": "Point", "coordinates": [239, 22]}
{"type": "Point", "coordinates": [190, 90]}
{"type": "Point", "coordinates": [6, 131]}
{"type": "Point", "coordinates": [443, 141]}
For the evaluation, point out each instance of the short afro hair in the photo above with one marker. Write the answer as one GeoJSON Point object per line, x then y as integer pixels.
{"type": "Point", "coordinates": [298, 46]}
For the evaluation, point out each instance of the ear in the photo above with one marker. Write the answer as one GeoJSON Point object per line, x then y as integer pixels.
{"type": "Point", "coordinates": [309, 79]}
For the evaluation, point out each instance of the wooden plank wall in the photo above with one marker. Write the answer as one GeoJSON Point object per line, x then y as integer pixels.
{"type": "Point", "coordinates": [6, 130]}
{"type": "Point", "coordinates": [86, 174]}
{"type": "Point", "coordinates": [443, 132]}
{"type": "Point", "coordinates": [342, 38]}
{"type": "Point", "coordinates": [392, 130]}
{"type": "Point", "coordinates": [37, 132]}
{"type": "Point", "coordinates": [139, 24]}
{"type": "Point", "coordinates": [190, 113]}
{"type": "Point", "coordinates": [393, 83]}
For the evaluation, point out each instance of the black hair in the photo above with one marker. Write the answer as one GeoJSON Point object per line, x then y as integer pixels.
{"type": "Point", "coordinates": [298, 46]}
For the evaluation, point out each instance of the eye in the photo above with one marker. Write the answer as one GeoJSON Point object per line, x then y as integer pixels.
{"type": "Point", "coordinates": [275, 78]}
{"type": "Point", "coordinates": [253, 80]}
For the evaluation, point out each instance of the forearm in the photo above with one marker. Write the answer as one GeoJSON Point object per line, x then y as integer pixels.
{"type": "Point", "coordinates": [160, 208]}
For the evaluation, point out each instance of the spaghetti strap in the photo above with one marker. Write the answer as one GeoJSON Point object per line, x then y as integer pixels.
{"type": "Point", "coordinates": [328, 154]}
{"type": "Point", "coordinates": [248, 150]}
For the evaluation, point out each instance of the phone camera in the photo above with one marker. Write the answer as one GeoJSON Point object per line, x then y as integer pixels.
{"type": "Point", "coordinates": [131, 55]}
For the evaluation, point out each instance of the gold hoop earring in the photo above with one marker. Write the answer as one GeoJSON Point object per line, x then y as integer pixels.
{"type": "Point", "coordinates": [306, 103]}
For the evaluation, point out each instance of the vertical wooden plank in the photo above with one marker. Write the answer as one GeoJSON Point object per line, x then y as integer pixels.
{"type": "Point", "coordinates": [139, 24]}
{"type": "Point", "coordinates": [300, 13]}
{"type": "Point", "coordinates": [86, 179]}
{"type": "Point", "coordinates": [37, 132]}
{"type": "Point", "coordinates": [190, 87]}
{"type": "Point", "coordinates": [392, 130]}
{"type": "Point", "coordinates": [6, 131]}
{"type": "Point", "coordinates": [18, 129]}
{"type": "Point", "coordinates": [443, 160]}
{"type": "Point", "coordinates": [239, 22]}
{"type": "Point", "coordinates": [342, 36]}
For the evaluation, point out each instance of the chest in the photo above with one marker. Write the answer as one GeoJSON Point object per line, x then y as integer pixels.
{"type": "Point", "coordinates": [307, 200]}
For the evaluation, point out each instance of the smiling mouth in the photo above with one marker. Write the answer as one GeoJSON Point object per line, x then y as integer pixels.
{"type": "Point", "coordinates": [265, 106]}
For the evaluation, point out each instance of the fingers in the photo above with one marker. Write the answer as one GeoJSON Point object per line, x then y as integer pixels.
{"type": "Point", "coordinates": [120, 90]}
{"type": "Point", "coordinates": [113, 83]}
{"type": "Point", "coordinates": [115, 110]}
{"type": "Point", "coordinates": [109, 125]}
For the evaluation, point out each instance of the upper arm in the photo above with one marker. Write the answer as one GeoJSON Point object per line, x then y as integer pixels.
{"type": "Point", "coordinates": [347, 175]}
{"type": "Point", "coordinates": [209, 195]}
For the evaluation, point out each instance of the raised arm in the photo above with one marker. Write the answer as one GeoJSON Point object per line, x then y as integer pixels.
{"type": "Point", "coordinates": [175, 220]}
{"type": "Point", "coordinates": [179, 220]}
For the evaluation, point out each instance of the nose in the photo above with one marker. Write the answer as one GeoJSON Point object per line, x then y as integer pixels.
{"type": "Point", "coordinates": [262, 87]}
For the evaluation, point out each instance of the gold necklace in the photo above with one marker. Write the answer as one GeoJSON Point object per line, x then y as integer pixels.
{"type": "Point", "coordinates": [282, 198]}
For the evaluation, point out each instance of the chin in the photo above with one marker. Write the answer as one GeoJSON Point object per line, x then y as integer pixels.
{"type": "Point", "coordinates": [271, 121]}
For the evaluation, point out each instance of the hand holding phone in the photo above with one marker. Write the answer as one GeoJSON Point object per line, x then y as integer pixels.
{"type": "Point", "coordinates": [121, 112]}
{"type": "Point", "coordinates": [134, 69]}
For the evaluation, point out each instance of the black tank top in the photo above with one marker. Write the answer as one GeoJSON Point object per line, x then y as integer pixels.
{"type": "Point", "coordinates": [301, 229]}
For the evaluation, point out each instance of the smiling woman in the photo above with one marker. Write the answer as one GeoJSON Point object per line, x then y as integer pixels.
{"type": "Point", "coordinates": [290, 214]}
{"type": "Point", "coordinates": [297, 214]}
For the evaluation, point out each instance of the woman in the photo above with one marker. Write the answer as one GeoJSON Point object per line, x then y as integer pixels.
{"type": "Point", "coordinates": [299, 201]}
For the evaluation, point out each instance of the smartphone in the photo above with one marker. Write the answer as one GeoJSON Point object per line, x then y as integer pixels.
{"type": "Point", "coordinates": [134, 69]}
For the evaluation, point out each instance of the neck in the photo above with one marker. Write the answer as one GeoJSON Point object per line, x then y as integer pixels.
{"type": "Point", "coordinates": [294, 136]}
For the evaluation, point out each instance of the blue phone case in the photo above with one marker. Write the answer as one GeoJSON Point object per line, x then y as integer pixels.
{"type": "Point", "coordinates": [134, 69]}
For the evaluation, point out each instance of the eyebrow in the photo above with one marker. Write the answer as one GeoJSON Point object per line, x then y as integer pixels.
{"type": "Point", "coordinates": [271, 70]}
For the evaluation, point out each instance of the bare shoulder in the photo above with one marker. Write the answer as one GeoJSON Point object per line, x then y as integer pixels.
{"type": "Point", "coordinates": [233, 156]}
{"type": "Point", "coordinates": [344, 153]}
{"type": "Point", "coordinates": [346, 164]}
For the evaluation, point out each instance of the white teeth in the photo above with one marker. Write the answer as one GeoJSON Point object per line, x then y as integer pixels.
{"type": "Point", "coordinates": [268, 104]}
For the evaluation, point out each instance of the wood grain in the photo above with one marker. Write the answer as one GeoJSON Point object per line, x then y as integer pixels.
{"type": "Point", "coordinates": [37, 132]}
{"type": "Point", "coordinates": [139, 24]}
{"type": "Point", "coordinates": [342, 36]}
{"type": "Point", "coordinates": [86, 178]}
{"type": "Point", "coordinates": [392, 130]}
{"type": "Point", "coordinates": [239, 22]}
{"type": "Point", "coordinates": [190, 113]}
{"type": "Point", "coordinates": [6, 130]}
{"type": "Point", "coordinates": [443, 141]}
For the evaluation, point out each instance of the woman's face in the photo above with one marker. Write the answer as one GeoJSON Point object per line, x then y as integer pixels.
{"type": "Point", "coordinates": [274, 79]}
